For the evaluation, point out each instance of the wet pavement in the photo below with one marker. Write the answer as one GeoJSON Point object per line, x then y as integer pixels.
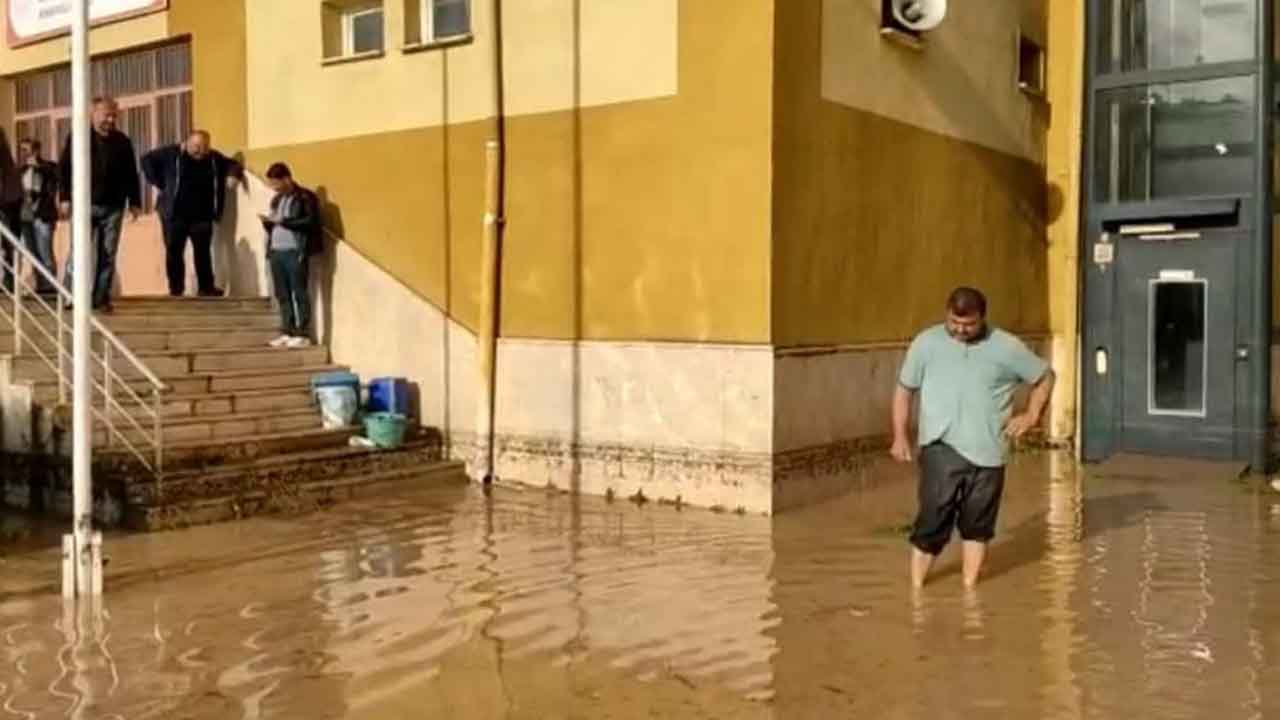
{"type": "Point", "coordinates": [1105, 598]}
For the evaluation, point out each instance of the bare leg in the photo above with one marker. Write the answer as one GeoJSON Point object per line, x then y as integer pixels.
{"type": "Point", "coordinates": [921, 564]}
{"type": "Point", "coordinates": [974, 555]}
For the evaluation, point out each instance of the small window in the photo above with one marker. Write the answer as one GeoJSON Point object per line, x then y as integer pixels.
{"type": "Point", "coordinates": [428, 22]}
{"type": "Point", "coordinates": [353, 28]}
{"type": "Point", "coordinates": [891, 29]}
{"type": "Point", "coordinates": [1030, 66]}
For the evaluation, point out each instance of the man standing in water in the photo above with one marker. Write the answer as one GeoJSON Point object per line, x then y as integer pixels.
{"type": "Point", "coordinates": [965, 373]}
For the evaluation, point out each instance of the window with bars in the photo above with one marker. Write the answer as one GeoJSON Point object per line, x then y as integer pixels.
{"type": "Point", "coordinates": [153, 87]}
{"type": "Point", "coordinates": [436, 21]}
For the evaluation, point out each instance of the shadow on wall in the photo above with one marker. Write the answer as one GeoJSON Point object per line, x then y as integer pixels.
{"type": "Point", "coordinates": [324, 266]}
{"type": "Point", "coordinates": [235, 262]}
{"type": "Point", "coordinates": [966, 94]}
{"type": "Point", "coordinates": [239, 241]}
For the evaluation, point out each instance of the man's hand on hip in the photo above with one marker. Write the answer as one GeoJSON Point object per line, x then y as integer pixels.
{"type": "Point", "coordinates": [1020, 425]}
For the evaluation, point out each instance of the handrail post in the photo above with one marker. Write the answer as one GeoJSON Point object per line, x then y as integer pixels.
{"type": "Point", "coordinates": [158, 407]}
{"type": "Point", "coordinates": [106, 393]}
{"type": "Point", "coordinates": [61, 350]}
{"type": "Point", "coordinates": [17, 298]}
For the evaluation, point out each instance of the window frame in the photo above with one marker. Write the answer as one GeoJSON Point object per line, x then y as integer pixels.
{"type": "Point", "coordinates": [347, 19]}
{"type": "Point", "coordinates": [1040, 88]}
{"type": "Point", "coordinates": [426, 26]}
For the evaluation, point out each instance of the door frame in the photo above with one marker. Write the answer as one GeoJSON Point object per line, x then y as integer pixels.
{"type": "Point", "coordinates": [1253, 214]}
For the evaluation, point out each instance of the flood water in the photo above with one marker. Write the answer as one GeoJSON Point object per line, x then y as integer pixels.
{"type": "Point", "coordinates": [1105, 598]}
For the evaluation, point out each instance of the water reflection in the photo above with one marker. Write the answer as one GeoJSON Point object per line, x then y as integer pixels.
{"type": "Point", "coordinates": [1106, 598]}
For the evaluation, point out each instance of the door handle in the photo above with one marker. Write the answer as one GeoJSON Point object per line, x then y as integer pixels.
{"type": "Point", "coordinates": [1242, 353]}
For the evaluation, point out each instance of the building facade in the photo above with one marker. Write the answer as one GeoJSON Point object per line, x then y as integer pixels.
{"type": "Point", "coordinates": [723, 221]}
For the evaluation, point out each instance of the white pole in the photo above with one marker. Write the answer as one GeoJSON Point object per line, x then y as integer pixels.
{"type": "Point", "coordinates": [82, 401]}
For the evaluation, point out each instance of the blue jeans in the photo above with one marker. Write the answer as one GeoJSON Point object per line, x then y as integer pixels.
{"type": "Point", "coordinates": [289, 275]}
{"type": "Point", "coordinates": [106, 224]}
{"type": "Point", "coordinates": [37, 235]}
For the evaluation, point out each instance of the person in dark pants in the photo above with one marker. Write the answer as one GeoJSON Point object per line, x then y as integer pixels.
{"type": "Point", "coordinates": [10, 206]}
{"type": "Point", "coordinates": [294, 233]}
{"type": "Point", "coordinates": [192, 180]}
{"type": "Point", "coordinates": [39, 214]}
{"type": "Point", "coordinates": [116, 190]}
{"type": "Point", "coordinates": [965, 373]}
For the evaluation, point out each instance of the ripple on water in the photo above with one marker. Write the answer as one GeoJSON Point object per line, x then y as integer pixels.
{"type": "Point", "coordinates": [1104, 598]}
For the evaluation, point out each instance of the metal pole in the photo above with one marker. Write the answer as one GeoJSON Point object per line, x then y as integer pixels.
{"type": "Point", "coordinates": [82, 398]}
{"type": "Point", "coordinates": [1260, 380]}
{"type": "Point", "coordinates": [487, 334]}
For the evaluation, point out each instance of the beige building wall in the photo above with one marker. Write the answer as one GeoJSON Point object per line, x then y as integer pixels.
{"type": "Point", "coordinates": [900, 173]}
{"type": "Point", "coordinates": [623, 121]}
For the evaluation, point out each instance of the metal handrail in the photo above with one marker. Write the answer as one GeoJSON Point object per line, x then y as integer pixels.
{"type": "Point", "coordinates": [112, 346]}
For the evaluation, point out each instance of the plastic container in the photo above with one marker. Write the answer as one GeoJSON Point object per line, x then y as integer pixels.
{"type": "Point", "coordinates": [385, 429]}
{"type": "Point", "coordinates": [389, 394]}
{"type": "Point", "coordinates": [336, 379]}
{"type": "Point", "coordinates": [338, 406]}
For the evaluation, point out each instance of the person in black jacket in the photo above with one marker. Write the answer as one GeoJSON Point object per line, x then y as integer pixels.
{"type": "Point", "coordinates": [116, 191]}
{"type": "Point", "coordinates": [39, 214]}
{"type": "Point", "coordinates": [10, 203]}
{"type": "Point", "coordinates": [192, 180]}
{"type": "Point", "coordinates": [294, 233]}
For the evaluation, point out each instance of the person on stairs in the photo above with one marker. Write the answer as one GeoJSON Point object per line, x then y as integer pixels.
{"type": "Point", "coordinates": [38, 216]}
{"type": "Point", "coordinates": [192, 179]}
{"type": "Point", "coordinates": [116, 191]}
{"type": "Point", "coordinates": [294, 234]}
{"type": "Point", "coordinates": [10, 204]}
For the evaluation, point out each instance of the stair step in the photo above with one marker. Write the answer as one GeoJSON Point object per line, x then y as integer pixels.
{"type": "Point", "coordinates": [126, 322]}
{"type": "Point", "coordinates": [249, 401]}
{"type": "Point", "coordinates": [213, 383]}
{"type": "Point", "coordinates": [181, 339]}
{"type": "Point", "coordinates": [183, 363]}
{"type": "Point", "coordinates": [215, 427]}
{"type": "Point", "coordinates": [332, 461]}
{"type": "Point", "coordinates": [183, 455]}
{"type": "Point", "coordinates": [145, 303]}
{"type": "Point", "coordinates": [277, 497]}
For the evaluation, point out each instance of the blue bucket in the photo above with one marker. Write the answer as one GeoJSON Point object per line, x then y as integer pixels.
{"type": "Point", "coordinates": [389, 394]}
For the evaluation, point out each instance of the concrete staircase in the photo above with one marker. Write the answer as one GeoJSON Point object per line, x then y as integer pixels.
{"type": "Point", "coordinates": [242, 435]}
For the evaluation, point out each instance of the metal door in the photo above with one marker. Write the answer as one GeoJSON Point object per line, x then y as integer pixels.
{"type": "Point", "coordinates": [1176, 303]}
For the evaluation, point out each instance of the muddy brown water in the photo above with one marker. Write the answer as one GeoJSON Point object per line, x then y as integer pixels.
{"type": "Point", "coordinates": [1105, 598]}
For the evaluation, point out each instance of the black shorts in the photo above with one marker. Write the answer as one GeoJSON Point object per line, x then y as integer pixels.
{"type": "Point", "coordinates": [955, 493]}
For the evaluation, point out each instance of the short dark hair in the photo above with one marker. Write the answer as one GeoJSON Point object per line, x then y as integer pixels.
{"type": "Point", "coordinates": [967, 302]}
{"type": "Point", "coordinates": [104, 100]}
{"type": "Point", "coordinates": [279, 171]}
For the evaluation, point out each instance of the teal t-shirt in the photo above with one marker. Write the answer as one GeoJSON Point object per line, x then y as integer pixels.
{"type": "Point", "coordinates": [966, 389]}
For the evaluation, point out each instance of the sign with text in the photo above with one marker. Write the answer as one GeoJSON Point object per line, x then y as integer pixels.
{"type": "Point", "coordinates": [31, 21]}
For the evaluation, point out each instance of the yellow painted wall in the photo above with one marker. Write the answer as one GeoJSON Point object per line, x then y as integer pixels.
{"type": "Point", "coordinates": [1063, 161]}
{"type": "Point", "coordinates": [665, 202]}
{"type": "Point", "coordinates": [878, 217]}
{"type": "Point", "coordinates": [643, 219]}
{"type": "Point", "coordinates": [296, 99]}
{"type": "Point", "coordinates": [962, 85]}
{"type": "Point", "coordinates": [217, 31]}
{"type": "Point", "coordinates": [395, 200]}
